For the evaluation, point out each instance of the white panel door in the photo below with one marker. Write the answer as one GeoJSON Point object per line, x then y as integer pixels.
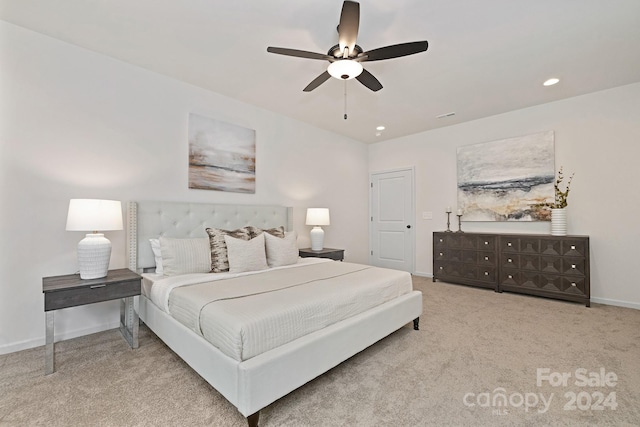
{"type": "Point", "coordinates": [392, 220]}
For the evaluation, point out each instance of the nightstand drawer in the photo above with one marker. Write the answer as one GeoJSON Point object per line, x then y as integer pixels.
{"type": "Point", "coordinates": [334, 254]}
{"type": "Point", "coordinates": [90, 294]}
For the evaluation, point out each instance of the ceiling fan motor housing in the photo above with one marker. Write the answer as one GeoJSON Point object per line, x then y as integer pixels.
{"type": "Point", "coordinates": [336, 52]}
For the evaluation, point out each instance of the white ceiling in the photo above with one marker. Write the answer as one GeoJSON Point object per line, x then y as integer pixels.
{"type": "Point", "coordinates": [484, 58]}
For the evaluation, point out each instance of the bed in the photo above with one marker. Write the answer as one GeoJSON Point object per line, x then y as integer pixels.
{"type": "Point", "coordinates": [256, 375]}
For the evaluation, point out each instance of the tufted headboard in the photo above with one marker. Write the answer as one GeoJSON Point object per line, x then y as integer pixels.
{"type": "Point", "coordinates": [150, 219]}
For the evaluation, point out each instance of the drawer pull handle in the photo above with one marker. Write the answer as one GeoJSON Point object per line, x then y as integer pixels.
{"type": "Point", "coordinates": [440, 268]}
{"type": "Point", "coordinates": [573, 266]}
{"type": "Point", "coordinates": [486, 243]}
{"type": "Point", "coordinates": [440, 240]}
{"type": "Point", "coordinates": [573, 247]}
{"type": "Point", "coordinates": [486, 258]}
{"type": "Point", "coordinates": [486, 273]}
{"type": "Point", "coordinates": [509, 260]}
{"type": "Point", "coordinates": [510, 277]}
{"type": "Point", "coordinates": [509, 244]}
{"type": "Point", "coordinates": [573, 284]}
{"type": "Point", "coordinates": [98, 286]}
{"type": "Point", "coordinates": [440, 253]}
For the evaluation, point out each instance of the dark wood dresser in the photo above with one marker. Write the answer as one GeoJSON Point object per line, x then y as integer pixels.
{"type": "Point", "coordinates": [543, 265]}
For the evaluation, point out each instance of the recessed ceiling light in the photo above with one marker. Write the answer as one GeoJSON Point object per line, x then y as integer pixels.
{"type": "Point", "coordinates": [551, 82]}
{"type": "Point", "coordinates": [380, 128]}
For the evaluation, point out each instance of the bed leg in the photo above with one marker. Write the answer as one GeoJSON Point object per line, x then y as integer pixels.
{"type": "Point", "coordinates": [416, 321]}
{"type": "Point", "coordinates": [252, 420]}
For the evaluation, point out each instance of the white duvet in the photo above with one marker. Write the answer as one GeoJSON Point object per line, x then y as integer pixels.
{"type": "Point", "coordinates": [245, 315]}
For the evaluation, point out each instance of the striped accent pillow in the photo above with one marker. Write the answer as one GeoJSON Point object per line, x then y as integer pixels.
{"type": "Point", "coordinates": [246, 255]}
{"type": "Point", "coordinates": [282, 251]}
{"type": "Point", "coordinates": [184, 256]}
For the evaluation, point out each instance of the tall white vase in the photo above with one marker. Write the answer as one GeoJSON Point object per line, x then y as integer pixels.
{"type": "Point", "coordinates": [559, 222]}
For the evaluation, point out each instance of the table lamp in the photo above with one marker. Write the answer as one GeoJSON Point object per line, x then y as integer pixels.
{"type": "Point", "coordinates": [94, 251]}
{"type": "Point", "coordinates": [317, 217]}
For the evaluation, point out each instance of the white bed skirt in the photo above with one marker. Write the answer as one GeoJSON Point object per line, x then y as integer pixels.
{"type": "Point", "coordinates": [255, 383]}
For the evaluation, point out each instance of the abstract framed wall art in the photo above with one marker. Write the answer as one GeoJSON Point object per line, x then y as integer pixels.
{"type": "Point", "coordinates": [507, 180]}
{"type": "Point", "coordinates": [222, 156]}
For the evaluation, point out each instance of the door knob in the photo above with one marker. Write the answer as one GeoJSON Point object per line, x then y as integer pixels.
{"type": "Point", "coordinates": [408, 226]}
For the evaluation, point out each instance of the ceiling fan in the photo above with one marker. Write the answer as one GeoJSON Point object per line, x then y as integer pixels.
{"type": "Point", "coordinates": [346, 57]}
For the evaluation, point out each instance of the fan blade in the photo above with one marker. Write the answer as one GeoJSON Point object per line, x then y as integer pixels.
{"type": "Point", "coordinates": [317, 81]}
{"type": "Point", "coordinates": [367, 79]}
{"type": "Point", "coordinates": [394, 51]}
{"type": "Point", "coordinates": [299, 53]}
{"type": "Point", "coordinates": [348, 27]}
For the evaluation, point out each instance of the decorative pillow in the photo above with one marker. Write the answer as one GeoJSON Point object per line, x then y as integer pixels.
{"type": "Point", "coordinates": [246, 255]}
{"type": "Point", "coordinates": [183, 256]}
{"type": "Point", "coordinates": [219, 262]}
{"type": "Point", "coordinates": [157, 254]}
{"type": "Point", "coordinates": [281, 251]}
{"type": "Point", "coordinates": [255, 231]}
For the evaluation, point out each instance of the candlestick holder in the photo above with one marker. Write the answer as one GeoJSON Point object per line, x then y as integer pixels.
{"type": "Point", "coordinates": [448, 230]}
{"type": "Point", "coordinates": [459, 224]}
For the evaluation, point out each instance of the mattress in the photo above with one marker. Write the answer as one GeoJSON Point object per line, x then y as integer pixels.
{"type": "Point", "coordinates": [244, 316]}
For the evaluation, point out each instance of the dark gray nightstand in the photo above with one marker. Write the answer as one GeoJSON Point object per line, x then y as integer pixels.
{"type": "Point", "coordinates": [335, 254]}
{"type": "Point", "coordinates": [71, 291]}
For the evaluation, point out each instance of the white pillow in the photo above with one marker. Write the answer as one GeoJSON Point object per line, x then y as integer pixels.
{"type": "Point", "coordinates": [282, 251]}
{"type": "Point", "coordinates": [246, 255]}
{"type": "Point", "coordinates": [157, 254]}
{"type": "Point", "coordinates": [184, 256]}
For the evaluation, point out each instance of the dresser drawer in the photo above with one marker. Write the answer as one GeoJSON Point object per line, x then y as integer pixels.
{"type": "Point", "coordinates": [575, 248]}
{"type": "Point", "coordinates": [486, 258]}
{"type": "Point", "coordinates": [72, 297]}
{"type": "Point", "coordinates": [574, 266]}
{"type": "Point", "coordinates": [510, 260]}
{"type": "Point", "coordinates": [509, 244]}
{"type": "Point", "coordinates": [486, 274]}
{"type": "Point", "coordinates": [574, 285]}
{"type": "Point", "coordinates": [486, 243]}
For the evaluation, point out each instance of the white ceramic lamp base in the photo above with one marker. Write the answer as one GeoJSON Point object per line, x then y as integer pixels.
{"type": "Point", "coordinates": [317, 238]}
{"type": "Point", "coordinates": [94, 254]}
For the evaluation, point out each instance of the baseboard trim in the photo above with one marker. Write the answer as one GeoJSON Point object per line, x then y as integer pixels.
{"type": "Point", "coordinates": [40, 341]}
{"type": "Point", "coordinates": [421, 274]}
{"type": "Point", "coordinates": [617, 303]}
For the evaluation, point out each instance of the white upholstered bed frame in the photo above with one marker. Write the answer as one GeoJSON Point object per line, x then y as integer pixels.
{"type": "Point", "coordinates": [252, 384]}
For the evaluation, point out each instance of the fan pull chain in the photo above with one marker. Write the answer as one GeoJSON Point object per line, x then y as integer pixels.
{"type": "Point", "coordinates": [345, 100]}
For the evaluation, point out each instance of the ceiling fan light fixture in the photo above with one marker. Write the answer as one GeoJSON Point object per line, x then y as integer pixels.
{"type": "Point", "coordinates": [345, 69]}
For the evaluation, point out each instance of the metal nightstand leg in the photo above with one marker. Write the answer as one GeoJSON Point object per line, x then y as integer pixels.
{"type": "Point", "coordinates": [129, 323]}
{"type": "Point", "coordinates": [49, 350]}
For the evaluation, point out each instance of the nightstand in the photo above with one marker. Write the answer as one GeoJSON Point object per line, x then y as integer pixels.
{"type": "Point", "coordinates": [335, 254]}
{"type": "Point", "coordinates": [71, 291]}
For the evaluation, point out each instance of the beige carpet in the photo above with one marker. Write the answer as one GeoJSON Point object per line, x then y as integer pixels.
{"type": "Point", "coordinates": [474, 345]}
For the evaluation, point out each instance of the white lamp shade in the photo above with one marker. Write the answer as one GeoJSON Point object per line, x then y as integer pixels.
{"type": "Point", "coordinates": [318, 216]}
{"type": "Point", "coordinates": [94, 251]}
{"type": "Point", "coordinates": [94, 215]}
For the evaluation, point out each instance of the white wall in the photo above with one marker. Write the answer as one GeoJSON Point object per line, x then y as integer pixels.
{"type": "Point", "coordinates": [75, 124]}
{"type": "Point", "coordinates": [597, 136]}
